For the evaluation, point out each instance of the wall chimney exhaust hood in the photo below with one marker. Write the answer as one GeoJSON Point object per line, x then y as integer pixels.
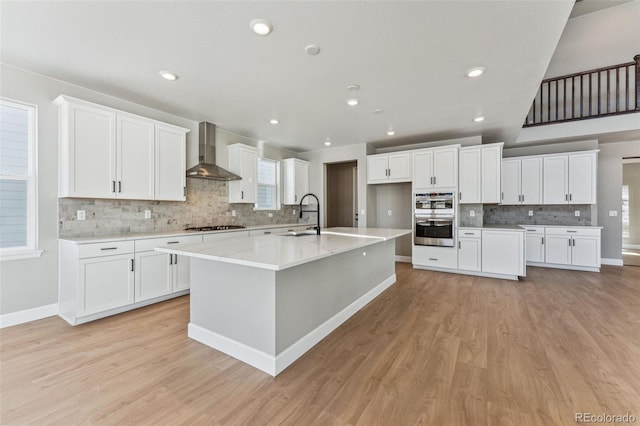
{"type": "Point", "coordinates": [206, 167]}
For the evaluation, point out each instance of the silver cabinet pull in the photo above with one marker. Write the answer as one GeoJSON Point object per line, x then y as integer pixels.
{"type": "Point", "coordinates": [569, 242]}
{"type": "Point", "coordinates": [109, 248]}
{"type": "Point", "coordinates": [574, 241]}
{"type": "Point", "coordinates": [433, 258]}
{"type": "Point", "coordinates": [435, 180]}
{"type": "Point", "coordinates": [460, 196]}
{"type": "Point", "coordinates": [572, 231]}
{"type": "Point", "coordinates": [459, 244]}
{"type": "Point", "coordinates": [566, 197]}
{"type": "Point", "coordinates": [542, 241]}
{"type": "Point", "coordinates": [468, 233]}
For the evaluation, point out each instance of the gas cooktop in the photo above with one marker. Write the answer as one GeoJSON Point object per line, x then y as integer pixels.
{"type": "Point", "coordinates": [213, 228]}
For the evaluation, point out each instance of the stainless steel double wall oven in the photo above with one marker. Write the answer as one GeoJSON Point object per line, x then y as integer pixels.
{"type": "Point", "coordinates": [434, 215]}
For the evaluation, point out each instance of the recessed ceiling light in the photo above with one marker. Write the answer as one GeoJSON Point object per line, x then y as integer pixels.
{"type": "Point", "coordinates": [312, 50]}
{"type": "Point", "coordinates": [478, 119]}
{"type": "Point", "coordinates": [260, 26]}
{"type": "Point", "coordinates": [168, 75]}
{"type": "Point", "coordinates": [475, 72]}
{"type": "Point", "coordinates": [353, 87]}
{"type": "Point", "coordinates": [352, 102]}
{"type": "Point", "coordinates": [391, 132]}
{"type": "Point", "coordinates": [378, 111]}
{"type": "Point", "coordinates": [327, 143]}
{"type": "Point", "coordinates": [274, 121]}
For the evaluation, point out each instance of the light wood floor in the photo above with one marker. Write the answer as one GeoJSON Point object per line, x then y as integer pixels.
{"type": "Point", "coordinates": [438, 349]}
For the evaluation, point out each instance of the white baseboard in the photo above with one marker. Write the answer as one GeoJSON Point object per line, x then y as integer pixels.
{"type": "Point", "coordinates": [405, 259]}
{"type": "Point", "coordinates": [614, 262]}
{"type": "Point", "coordinates": [28, 315]}
{"type": "Point", "coordinates": [631, 246]}
{"type": "Point", "coordinates": [274, 365]}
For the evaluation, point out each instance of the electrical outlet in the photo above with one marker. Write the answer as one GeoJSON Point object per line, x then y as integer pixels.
{"type": "Point", "coordinates": [613, 213]}
{"type": "Point", "coordinates": [576, 213]}
{"type": "Point", "coordinates": [294, 212]}
{"type": "Point", "coordinates": [270, 214]}
{"type": "Point", "coordinates": [389, 212]}
{"type": "Point", "coordinates": [362, 212]}
{"type": "Point", "coordinates": [530, 212]}
{"type": "Point", "coordinates": [233, 213]}
{"type": "Point", "coordinates": [147, 214]}
{"type": "Point", "coordinates": [82, 215]}
{"type": "Point", "coordinates": [472, 213]}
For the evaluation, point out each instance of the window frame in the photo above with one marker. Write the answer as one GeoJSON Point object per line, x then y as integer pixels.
{"type": "Point", "coordinates": [277, 204]}
{"type": "Point", "coordinates": [30, 250]}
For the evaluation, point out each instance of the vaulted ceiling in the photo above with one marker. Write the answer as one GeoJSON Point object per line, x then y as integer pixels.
{"type": "Point", "coordinates": [408, 58]}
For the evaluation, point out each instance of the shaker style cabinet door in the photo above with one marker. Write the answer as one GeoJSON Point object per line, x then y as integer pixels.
{"type": "Point", "coordinates": [170, 164]}
{"type": "Point", "coordinates": [423, 169]}
{"type": "Point", "coordinates": [399, 167]}
{"type": "Point", "coordinates": [556, 189]}
{"type": "Point", "coordinates": [243, 161]}
{"type": "Point", "coordinates": [105, 283]}
{"type": "Point", "coordinates": [531, 180]}
{"type": "Point", "coordinates": [511, 174]}
{"type": "Point", "coordinates": [582, 178]}
{"type": "Point", "coordinates": [135, 158]}
{"type": "Point", "coordinates": [153, 275]}
{"type": "Point", "coordinates": [557, 249]}
{"type": "Point", "coordinates": [445, 167]}
{"type": "Point", "coordinates": [470, 176]}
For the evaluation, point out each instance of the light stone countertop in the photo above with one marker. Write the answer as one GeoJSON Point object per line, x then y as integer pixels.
{"type": "Point", "coordinates": [161, 234]}
{"type": "Point", "coordinates": [278, 252]}
{"type": "Point", "coordinates": [521, 227]}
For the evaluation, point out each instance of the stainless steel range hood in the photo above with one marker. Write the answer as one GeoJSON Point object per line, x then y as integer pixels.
{"type": "Point", "coordinates": [207, 168]}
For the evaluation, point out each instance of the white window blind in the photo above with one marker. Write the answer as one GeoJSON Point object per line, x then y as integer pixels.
{"type": "Point", "coordinates": [267, 184]}
{"type": "Point", "coordinates": [17, 177]}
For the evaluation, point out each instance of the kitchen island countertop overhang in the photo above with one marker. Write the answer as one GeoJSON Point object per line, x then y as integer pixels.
{"type": "Point", "coordinates": [267, 300]}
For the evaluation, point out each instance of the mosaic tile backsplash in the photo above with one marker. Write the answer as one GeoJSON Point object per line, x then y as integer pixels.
{"type": "Point", "coordinates": [207, 204]}
{"type": "Point", "coordinates": [542, 215]}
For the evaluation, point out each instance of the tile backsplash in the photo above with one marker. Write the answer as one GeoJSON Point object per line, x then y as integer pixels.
{"type": "Point", "coordinates": [207, 204]}
{"type": "Point", "coordinates": [542, 215]}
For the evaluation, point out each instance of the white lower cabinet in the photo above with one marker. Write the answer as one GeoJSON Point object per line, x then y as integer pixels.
{"type": "Point", "coordinates": [470, 250]}
{"type": "Point", "coordinates": [105, 282]}
{"type": "Point", "coordinates": [534, 243]}
{"type": "Point", "coordinates": [503, 252]}
{"type": "Point", "coordinates": [578, 248]}
{"type": "Point", "coordinates": [153, 275]}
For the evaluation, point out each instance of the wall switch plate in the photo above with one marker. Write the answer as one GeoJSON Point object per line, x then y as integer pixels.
{"type": "Point", "coordinates": [147, 214]}
{"type": "Point", "coordinates": [613, 213]}
{"type": "Point", "coordinates": [530, 212]}
{"type": "Point", "coordinates": [577, 213]}
{"type": "Point", "coordinates": [389, 212]}
{"type": "Point", "coordinates": [82, 214]}
{"type": "Point", "coordinates": [233, 213]}
{"type": "Point", "coordinates": [270, 214]}
{"type": "Point", "coordinates": [472, 213]}
{"type": "Point", "coordinates": [362, 212]}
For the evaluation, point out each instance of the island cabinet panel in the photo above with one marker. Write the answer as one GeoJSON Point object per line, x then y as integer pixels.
{"type": "Point", "coordinates": [243, 161]}
{"type": "Point", "coordinates": [503, 252]}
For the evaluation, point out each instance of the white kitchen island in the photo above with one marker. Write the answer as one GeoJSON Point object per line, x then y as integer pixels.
{"type": "Point", "coordinates": [267, 300]}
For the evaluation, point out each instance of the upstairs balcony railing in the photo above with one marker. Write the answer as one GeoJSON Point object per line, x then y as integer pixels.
{"type": "Point", "coordinates": [596, 93]}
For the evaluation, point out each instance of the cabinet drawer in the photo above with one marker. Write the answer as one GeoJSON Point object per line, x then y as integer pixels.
{"type": "Point", "coordinates": [269, 231]}
{"type": "Point", "coordinates": [593, 232]}
{"type": "Point", "coordinates": [469, 233]}
{"type": "Point", "coordinates": [534, 230]}
{"type": "Point", "coordinates": [105, 249]}
{"type": "Point", "coordinates": [151, 243]}
{"type": "Point", "coordinates": [437, 257]}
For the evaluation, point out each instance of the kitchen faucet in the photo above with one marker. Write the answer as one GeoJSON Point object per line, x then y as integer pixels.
{"type": "Point", "coordinates": [315, 211]}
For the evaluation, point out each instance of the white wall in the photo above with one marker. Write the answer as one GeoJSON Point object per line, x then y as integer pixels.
{"type": "Point", "coordinates": [610, 194]}
{"type": "Point", "coordinates": [599, 39]}
{"type": "Point", "coordinates": [631, 177]}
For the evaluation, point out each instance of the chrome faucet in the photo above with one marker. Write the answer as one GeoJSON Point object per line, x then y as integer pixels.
{"type": "Point", "coordinates": [310, 211]}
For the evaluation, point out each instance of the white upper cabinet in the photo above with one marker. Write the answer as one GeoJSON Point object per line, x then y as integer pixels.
{"type": "Point", "coordinates": [170, 163]}
{"type": "Point", "coordinates": [87, 150]}
{"type": "Point", "coordinates": [570, 178]}
{"type": "Point", "coordinates": [106, 153]}
{"type": "Point", "coordinates": [470, 176]}
{"type": "Point", "coordinates": [480, 174]}
{"type": "Point", "coordinates": [435, 167]}
{"type": "Point", "coordinates": [389, 168]}
{"type": "Point", "coordinates": [135, 158]}
{"type": "Point", "coordinates": [295, 180]}
{"type": "Point", "coordinates": [522, 180]}
{"type": "Point", "coordinates": [243, 161]}
{"type": "Point", "coordinates": [491, 172]}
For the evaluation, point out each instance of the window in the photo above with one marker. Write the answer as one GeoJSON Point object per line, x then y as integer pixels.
{"type": "Point", "coordinates": [18, 225]}
{"type": "Point", "coordinates": [267, 185]}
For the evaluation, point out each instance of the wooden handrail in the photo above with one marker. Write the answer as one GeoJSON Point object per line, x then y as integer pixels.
{"type": "Point", "coordinates": [587, 94]}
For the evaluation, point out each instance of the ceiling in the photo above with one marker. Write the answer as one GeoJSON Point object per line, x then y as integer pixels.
{"type": "Point", "coordinates": [409, 59]}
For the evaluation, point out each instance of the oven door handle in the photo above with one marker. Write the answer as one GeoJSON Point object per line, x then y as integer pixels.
{"type": "Point", "coordinates": [433, 219]}
{"type": "Point", "coordinates": [431, 226]}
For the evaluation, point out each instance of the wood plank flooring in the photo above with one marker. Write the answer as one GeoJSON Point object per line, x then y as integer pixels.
{"type": "Point", "coordinates": [436, 349]}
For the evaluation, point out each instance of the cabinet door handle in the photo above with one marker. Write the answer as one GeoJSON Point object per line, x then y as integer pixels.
{"type": "Point", "coordinates": [574, 241]}
{"type": "Point", "coordinates": [267, 232]}
{"type": "Point", "coordinates": [132, 262]}
{"type": "Point", "coordinates": [570, 197]}
{"type": "Point", "coordinates": [108, 248]}
{"type": "Point", "coordinates": [435, 180]}
{"type": "Point", "coordinates": [542, 241]}
{"type": "Point", "coordinates": [569, 242]}
{"type": "Point", "coordinates": [173, 242]}
{"type": "Point", "coordinates": [389, 172]}
{"type": "Point", "coordinates": [433, 258]}
{"type": "Point", "coordinates": [502, 195]}
{"type": "Point", "coordinates": [184, 191]}
{"type": "Point", "coordinates": [295, 198]}
{"type": "Point", "coordinates": [113, 186]}
{"type": "Point", "coordinates": [175, 259]}
{"type": "Point", "coordinates": [468, 233]}
{"type": "Point", "coordinates": [566, 197]}
{"type": "Point", "coordinates": [242, 195]}
{"type": "Point", "coordinates": [523, 198]}
{"type": "Point", "coordinates": [573, 232]}
{"type": "Point", "coordinates": [458, 244]}
{"type": "Point", "coordinates": [460, 196]}
{"type": "Point", "coordinates": [119, 186]}
{"type": "Point", "coordinates": [170, 259]}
